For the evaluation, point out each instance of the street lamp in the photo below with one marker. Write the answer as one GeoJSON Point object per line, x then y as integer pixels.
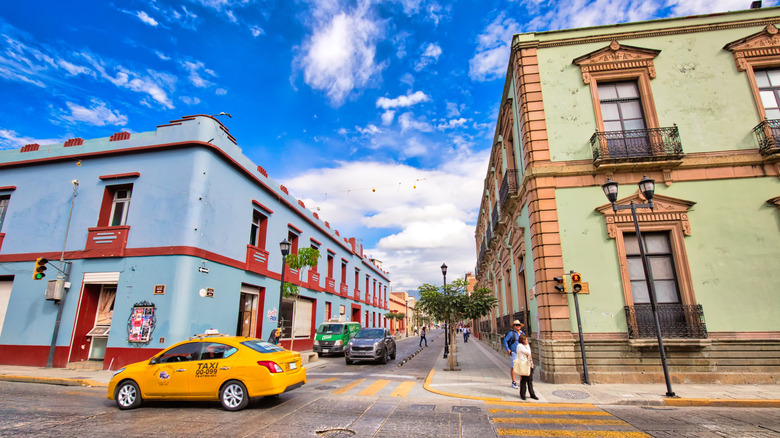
{"type": "Point", "coordinates": [647, 187]}
{"type": "Point", "coordinates": [406, 317]}
{"type": "Point", "coordinates": [446, 324]}
{"type": "Point", "coordinates": [284, 246]}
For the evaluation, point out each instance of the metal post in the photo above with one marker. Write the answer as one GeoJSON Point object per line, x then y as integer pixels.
{"type": "Point", "coordinates": [582, 340]}
{"type": "Point", "coordinates": [281, 294]}
{"type": "Point", "coordinates": [447, 328]}
{"type": "Point", "coordinates": [651, 291]}
{"type": "Point", "coordinates": [61, 303]}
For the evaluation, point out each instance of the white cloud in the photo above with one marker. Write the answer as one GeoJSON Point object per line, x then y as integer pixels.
{"type": "Point", "coordinates": [190, 100]}
{"type": "Point", "coordinates": [371, 129]}
{"type": "Point", "coordinates": [493, 49]}
{"type": "Point", "coordinates": [387, 117]}
{"type": "Point", "coordinates": [10, 139]}
{"type": "Point", "coordinates": [220, 91]}
{"type": "Point", "coordinates": [454, 110]}
{"type": "Point", "coordinates": [407, 122]}
{"type": "Point", "coordinates": [402, 101]}
{"type": "Point", "coordinates": [339, 56]}
{"type": "Point", "coordinates": [426, 216]}
{"type": "Point", "coordinates": [98, 114]}
{"type": "Point", "coordinates": [256, 31]}
{"type": "Point", "coordinates": [195, 69]}
{"type": "Point", "coordinates": [143, 16]}
{"type": "Point", "coordinates": [429, 56]}
{"type": "Point", "coordinates": [74, 69]}
{"type": "Point", "coordinates": [162, 55]}
{"type": "Point", "coordinates": [154, 84]}
{"type": "Point", "coordinates": [452, 123]}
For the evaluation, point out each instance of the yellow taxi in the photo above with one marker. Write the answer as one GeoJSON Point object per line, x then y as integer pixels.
{"type": "Point", "coordinates": [212, 366]}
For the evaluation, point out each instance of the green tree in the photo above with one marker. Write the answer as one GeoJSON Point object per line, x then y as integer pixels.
{"type": "Point", "coordinates": [304, 259]}
{"type": "Point", "coordinates": [394, 315]}
{"type": "Point", "coordinates": [452, 303]}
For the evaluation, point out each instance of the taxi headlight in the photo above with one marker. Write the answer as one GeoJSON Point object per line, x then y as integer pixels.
{"type": "Point", "coordinates": [316, 342]}
{"type": "Point", "coordinates": [118, 371]}
{"type": "Point", "coordinates": [337, 343]}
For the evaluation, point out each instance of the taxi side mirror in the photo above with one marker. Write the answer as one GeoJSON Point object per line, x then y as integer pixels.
{"type": "Point", "coordinates": [153, 361]}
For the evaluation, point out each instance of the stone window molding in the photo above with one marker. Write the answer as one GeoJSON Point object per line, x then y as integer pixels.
{"type": "Point", "coordinates": [669, 215]}
{"type": "Point", "coordinates": [757, 51]}
{"type": "Point", "coordinates": [618, 62]}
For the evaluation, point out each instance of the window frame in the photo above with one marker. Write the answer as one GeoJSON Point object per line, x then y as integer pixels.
{"type": "Point", "coordinates": [259, 229]}
{"type": "Point", "coordinates": [756, 52]}
{"type": "Point", "coordinates": [108, 205]}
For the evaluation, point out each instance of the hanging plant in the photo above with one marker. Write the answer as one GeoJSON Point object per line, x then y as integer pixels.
{"type": "Point", "coordinates": [306, 258]}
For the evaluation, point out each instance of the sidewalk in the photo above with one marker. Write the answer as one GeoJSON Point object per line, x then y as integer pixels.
{"type": "Point", "coordinates": [484, 375]}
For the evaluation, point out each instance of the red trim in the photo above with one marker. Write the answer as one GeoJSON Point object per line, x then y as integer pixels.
{"type": "Point", "coordinates": [316, 241]}
{"type": "Point", "coordinates": [78, 141]}
{"type": "Point", "coordinates": [8, 188]}
{"type": "Point", "coordinates": [263, 207]}
{"type": "Point", "coordinates": [298, 230]}
{"type": "Point", "coordinates": [30, 147]}
{"type": "Point", "coordinates": [262, 171]}
{"type": "Point", "coordinates": [120, 175]}
{"type": "Point", "coordinates": [33, 355]}
{"type": "Point", "coordinates": [301, 203]}
{"type": "Point", "coordinates": [119, 136]}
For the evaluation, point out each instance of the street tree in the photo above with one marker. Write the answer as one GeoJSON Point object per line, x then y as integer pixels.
{"type": "Point", "coordinates": [452, 303]}
{"type": "Point", "coordinates": [300, 262]}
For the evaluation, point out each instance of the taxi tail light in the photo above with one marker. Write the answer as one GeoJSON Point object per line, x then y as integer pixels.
{"type": "Point", "coordinates": [271, 365]}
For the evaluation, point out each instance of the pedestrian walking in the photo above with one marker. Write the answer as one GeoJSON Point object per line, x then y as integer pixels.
{"type": "Point", "coordinates": [466, 333]}
{"type": "Point", "coordinates": [511, 340]}
{"type": "Point", "coordinates": [422, 337]}
{"type": "Point", "coordinates": [523, 349]}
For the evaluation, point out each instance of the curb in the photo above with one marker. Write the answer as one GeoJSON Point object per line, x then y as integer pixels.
{"type": "Point", "coordinates": [722, 403]}
{"type": "Point", "coordinates": [427, 387]}
{"type": "Point", "coordinates": [53, 381]}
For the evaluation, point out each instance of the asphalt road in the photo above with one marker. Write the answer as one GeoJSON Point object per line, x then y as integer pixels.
{"type": "Point", "coordinates": [362, 400]}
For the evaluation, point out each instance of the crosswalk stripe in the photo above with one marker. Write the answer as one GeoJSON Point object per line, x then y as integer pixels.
{"type": "Point", "coordinates": [343, 390]}
{"type": "Point", "coordinates": [543, 405]}
{"type": "Point", "coordinates": [329, 380]}
{"type": "Point", "coordinates": [374, 387]}
{"type": "Point", "coordinates": [571, 433]}
{"type": "Point", "coordinates": [584, 422]}
{"type": "Point", "coordinates": [403, 389]}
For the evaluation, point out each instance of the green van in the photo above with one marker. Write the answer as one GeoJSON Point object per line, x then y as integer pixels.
{"type": "Point", "coordinates": [332, 336]}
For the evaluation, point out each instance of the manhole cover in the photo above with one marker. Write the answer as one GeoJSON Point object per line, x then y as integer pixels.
{"type": "Point", "coordinates": [325, 388]}
{"type": "Point", "coordinates": [465, 409]}
{"type": "Point", "coordinates": [335, 433]}
{"type": "Point", "coordinates": [570, 394]}
{"type": "Point", "coordinates": [422, 407]}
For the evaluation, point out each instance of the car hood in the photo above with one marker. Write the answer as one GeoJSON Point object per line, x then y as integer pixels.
{"type": "Point", "coordinates": [365, 342]}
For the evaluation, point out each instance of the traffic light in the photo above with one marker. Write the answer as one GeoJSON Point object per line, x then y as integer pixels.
{"type": "Point", "coordinates": [576, 282]}
{"type": "Point", "coordinates": [561, 286]}
{"type": "Point", "coordinates": [40, 267]}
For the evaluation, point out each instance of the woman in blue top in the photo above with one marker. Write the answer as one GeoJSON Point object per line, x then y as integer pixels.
{"type": "Point", "coordinates": [510, 345]}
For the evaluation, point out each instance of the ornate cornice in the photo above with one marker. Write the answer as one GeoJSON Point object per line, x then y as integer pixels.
{"type": "Point", "coordinates": [666, 209]}
{"type": "Point", "coordinates": [616, 57]}
{"type": "Point", "coordinates": [763, 44]}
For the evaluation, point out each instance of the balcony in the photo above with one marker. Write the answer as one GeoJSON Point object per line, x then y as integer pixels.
{"type": "Point", "coordinates": [314, 280]}
{"type": "Point", "coordinates": [106, 241]}
{"type": "Point", "coordinates": [677, 321]}
{"type": "Point", "coordinates": [636, 146]}
{"type": "Point", "coordinates": [343, 289]}
{"type": "Point", "coordinates": [509, 186]}
{"type": "Point", "coordinates": [330, 285]}
{"type": "Point", "coordinates": [768, 136]}
{"type": "Point", "coordinates": [256, 260]}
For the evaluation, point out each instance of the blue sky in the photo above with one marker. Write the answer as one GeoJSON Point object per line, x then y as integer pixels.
{"type": "Point", "coordinates": [378, 114]}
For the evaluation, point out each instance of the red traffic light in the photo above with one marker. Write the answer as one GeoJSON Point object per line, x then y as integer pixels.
{"type": "Point", "coordinates": [576, 278]}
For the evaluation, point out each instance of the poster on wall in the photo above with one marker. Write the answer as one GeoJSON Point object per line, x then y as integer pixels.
{"type": "Point", "coordinates": [141, 324]}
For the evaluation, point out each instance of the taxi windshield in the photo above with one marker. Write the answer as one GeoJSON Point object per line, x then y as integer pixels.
{"type": "Point", "coordinates": [330, 329]}
{"type": "Point", "coordinates": [262, 346]}
{"type": "Point", "coordinates": [370, 334]}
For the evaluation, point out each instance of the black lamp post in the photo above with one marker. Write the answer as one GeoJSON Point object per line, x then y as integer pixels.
{"type": "Point", "coordinates": [647, 187]}
{"type": "Point", "coordinates": [446, 323]}
{"type": "Point", "coordinates": [284, 246]}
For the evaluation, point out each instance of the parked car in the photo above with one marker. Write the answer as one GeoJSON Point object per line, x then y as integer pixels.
{"type": "Point", "coordinates": [375, 344]}
{"type": "Point", "coordinates": [332, 336]}
{"type": "Point", "coordinates": [231, 369]}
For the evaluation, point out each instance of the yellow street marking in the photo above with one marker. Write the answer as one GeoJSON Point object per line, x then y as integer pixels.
{"type": "Point", "coordinates": [572, 433]}
{"type": "Point", "coordinates": [374, 387]}
{"type": "Point", "coordinates": [522, 411]}
{"type": "Point", "coordinates": [403, 389]}
{"type": "Point", "coordinates": [584, 422]}
{"type": "Point", "coordinates": [348, 387]}
{"type": "Point", "coordinates": [329, 379]}
{"type": "Point", "coordinates": [543, 405]}
{"type": "Point", "coordinates": [544, 412]}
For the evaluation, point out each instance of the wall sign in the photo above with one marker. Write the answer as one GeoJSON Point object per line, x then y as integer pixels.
{"type": "Point", "coordinates": [159, 289]}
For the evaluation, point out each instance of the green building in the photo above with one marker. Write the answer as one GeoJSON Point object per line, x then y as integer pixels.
{"type": "Point", "coordinates": [692, 103]}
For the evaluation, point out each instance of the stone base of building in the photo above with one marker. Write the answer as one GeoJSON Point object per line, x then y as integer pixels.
{"type": "Point", "coordinates": [713, 360]}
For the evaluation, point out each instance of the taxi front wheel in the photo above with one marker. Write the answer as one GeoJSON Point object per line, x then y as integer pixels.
{"type": "Point", "coordinates": [127, 395]}
{"type": "Point", "coordinates": [233, 396]}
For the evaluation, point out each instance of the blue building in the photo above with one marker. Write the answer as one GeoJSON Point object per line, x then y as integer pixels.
{"type": "Point", "coordinates": [164, 234]}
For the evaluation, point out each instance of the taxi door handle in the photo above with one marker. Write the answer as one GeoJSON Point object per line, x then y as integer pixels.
{"type": "Point", "coordinates": [224, 368]}
{"type": "Point", "coordinates": [181, 370]}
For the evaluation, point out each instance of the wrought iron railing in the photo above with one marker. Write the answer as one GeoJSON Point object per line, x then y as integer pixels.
{"type": "Point", "coordinates": [637, 144]}
{"type": "Point", "coordinates": [768, 136]}
{"type": "Point", "coordinates": [509, 186]}
{"type": "Point", "coordinates": [676, 321]}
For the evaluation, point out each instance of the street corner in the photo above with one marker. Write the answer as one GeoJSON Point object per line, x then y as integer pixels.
{"type": "Point", "coordinates": [722, 403]}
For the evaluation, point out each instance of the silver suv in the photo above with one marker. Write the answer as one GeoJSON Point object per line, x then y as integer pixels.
{"type": "Point", "coordinates": [375, 344]}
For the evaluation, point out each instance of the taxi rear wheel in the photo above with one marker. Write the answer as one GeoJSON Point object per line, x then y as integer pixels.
{"type": "Point", "coordinates": [233, 396]}
{"type": "Point", "coordinates": [127, 395]}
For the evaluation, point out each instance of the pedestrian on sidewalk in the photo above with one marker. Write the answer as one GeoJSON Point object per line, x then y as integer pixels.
{"type": "Point", "coordinates": [523, 349]}
{"type": "Point", "coordinates": [422, 337]}
{"type": "Point", "coordinates": [511, 340]}
{"type": "Point", "coordinates": [274, 337]}
{"type": "Point", "coordinates": [466, 332]}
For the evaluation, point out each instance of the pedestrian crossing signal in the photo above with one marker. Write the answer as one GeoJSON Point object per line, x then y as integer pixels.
{"type": "Point", "coordinates": [576, 282]}
{"type": "Point", "coordinates": [40, 267]}
{"type": "Point", "coordinates": [561, 286]}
